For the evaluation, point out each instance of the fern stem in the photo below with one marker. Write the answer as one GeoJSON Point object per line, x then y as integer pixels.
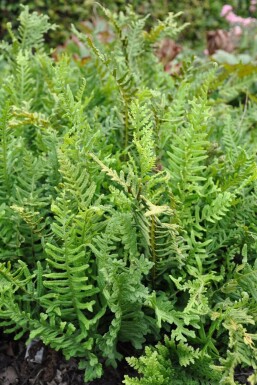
{"type": "Point", "coordinates": [4, 147]}
{"type": "Point", "coordinates": [152, 243]}
{"type": "Point", "coordinates": [126, 141]}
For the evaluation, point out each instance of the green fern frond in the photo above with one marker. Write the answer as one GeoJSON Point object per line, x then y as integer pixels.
{"type": "Point", "coordinates": [20, 280]}
{"type": "Point", "coordinates": [32, 29]}
{"type": "Point", "coordinates": [129, 185]}
{"type": "Point", "coordinates": [165, 312]}
{"type": "Point", "coordinates": [77, 183]}
{"type": "Point", "coordinates": [242, 172]}
{"type": "Point", "coordinates": [135, 46]}
{"type": "Point", "coordinates": [174, 117]}
{"type": "Point", "coordinates": [118, 277]}
{"type": "Point", "coordinates": [188, 150]}
{"type": "Point", "coordinates": [218, 208]}
{"type": "Point", "coordinates": [5, 139]}
{"type": "Point", "coordinates": [69, 262]}
{"type": "Point", "coordinates": [143, 137]}
{"type": "Point", "coordinates": [160, 365]}
{"type": "Point", "coordinates": [153, 367]}
{"type": "Point", "coordinates": [168, 27]}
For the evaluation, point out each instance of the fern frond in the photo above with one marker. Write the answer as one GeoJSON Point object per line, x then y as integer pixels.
{"type": "Point", "coordinates": [118, 277]}
{"type": "Point", "coordinates": [189, 150]}
{"type": "Point", "coordinates": [243, 172]}
{"type": "Point", "coordinates": [69, 263]}
{"type": "Point", "coordinates": [168, 27]}
{"type": "Point", "coordinates": [236, 319]}
{"type": "Point", "coordinates": [129, 185]}
{"type": "Point", "coordinates": [165, 312]}
{"type": "Point", "coordinates": [79, 188]}
{"type": "Point", "coordinates": [174, 117]}
{"type": "Point", "coordinates": [32, 29]}
{"type": "Point", "coordinates": [218, 208]}
{"type": "Point", "coordinates": [5, 139]}
{"type": "Point", "coordinates": [153, 366]}
{"type": "Point", "coordinates": [135, 46]}
{"type": "Point", "coordinates": [143, 137]}
{"type": "Point", "coordinates": [20, 280]}
{"type": "Point", "coordinates": [160, 365]}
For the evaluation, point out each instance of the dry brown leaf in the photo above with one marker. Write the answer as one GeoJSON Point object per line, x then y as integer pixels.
{"type": "Point", "coordinates": [219, 39]}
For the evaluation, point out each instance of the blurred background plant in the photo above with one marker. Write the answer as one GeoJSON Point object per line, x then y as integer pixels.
{"type": "Point", "coordinates": [203, 15]}
{"type": "Point", "coordinates": [224, 31]}
{"type": "Point", "coordinates": [237, 44]}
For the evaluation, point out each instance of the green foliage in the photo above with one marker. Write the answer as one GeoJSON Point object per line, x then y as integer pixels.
{"type": "Point", "coordinates": [128, 204]}
{"type": "Point", "coordinates": [165, 364]}
{"type": "Point", "coordinates": [201, 15]}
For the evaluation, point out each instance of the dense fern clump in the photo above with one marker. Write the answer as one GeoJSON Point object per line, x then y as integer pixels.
{"type": "Point", "coordinates": [128, 204]}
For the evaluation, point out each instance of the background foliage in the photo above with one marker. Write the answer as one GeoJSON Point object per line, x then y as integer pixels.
{"type": "Point", "coordinates": [202, 15]}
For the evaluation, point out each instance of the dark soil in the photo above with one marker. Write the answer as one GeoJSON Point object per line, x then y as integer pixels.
{"type": "Point", "coordinates": [22, 366]}
{"type": "Point", "coordinates": [18, 366]}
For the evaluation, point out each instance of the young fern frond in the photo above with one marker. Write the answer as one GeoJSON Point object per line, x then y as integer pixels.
{"type": "Point", "coordinates": [24, 83]}
{"type": "Point", "coordinates": [164, 239]}
{"type": "Point", "coordinates": [32, 29]}
{"type": "Point", "coordinates": [168, 27]}
{"type": "Point", "coordinates": [136, 44]}
{"type": "Point", "coordinates": [129, 184]}
{"type": "Point", "coordinates": [231, 138]}
{"type": "Point", "coordinates": [162, 365]}
{"type": "Point", "coordinates": [141, 120]}
{"type": "Point", "coordinates": [198, 302]}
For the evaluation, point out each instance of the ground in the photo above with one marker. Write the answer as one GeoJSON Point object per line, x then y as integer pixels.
{"type": "Point", "coordinates": [16, 369]}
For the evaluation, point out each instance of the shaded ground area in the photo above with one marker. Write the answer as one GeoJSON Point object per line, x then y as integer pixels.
{"type": "Point", "coordinates": [19, 366]}
{"type": "Point", "coordinates": [41, 365]}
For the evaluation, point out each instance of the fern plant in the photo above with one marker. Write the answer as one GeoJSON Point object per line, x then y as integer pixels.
{"type": "Point", "coordinates": [127, 206]}
{"type": "Point", "coordinates": [161, 365]}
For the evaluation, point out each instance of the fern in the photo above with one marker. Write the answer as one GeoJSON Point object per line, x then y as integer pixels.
{"type": "Point", "coordinates": [159, 365]}
{"type": "Point", "coordinates": [166, 313]}
{"type": "Point", "coordinates": [143, 138]}
{"type": "Point", "coordinates": [121, 278]}
{"type": "Point", "coordinates": [186, 157]}
{"type": "Point", "coordinates": [32, 29]}
{"type": "Point", "coordinates": [167, 27]}
{"type": "Point", "coordinates": [5, 137]}
{"type": "Point", "coordinates": [128, 204]}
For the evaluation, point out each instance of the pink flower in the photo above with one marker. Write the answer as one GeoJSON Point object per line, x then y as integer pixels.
{"type": "Point", "coordinates": [232, 18]}
{"type": "Point", "coordinates": [237, 30]}
{"type": "Point", "coordinates": [248, 21]}
{"type": "Point", "coordinates": [252, 8]}
{"type": "Point", "coordinates": [226, 9]}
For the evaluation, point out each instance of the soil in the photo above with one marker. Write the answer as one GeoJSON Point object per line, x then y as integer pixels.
{"type": "Point", "coordinates": [41, 365]}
